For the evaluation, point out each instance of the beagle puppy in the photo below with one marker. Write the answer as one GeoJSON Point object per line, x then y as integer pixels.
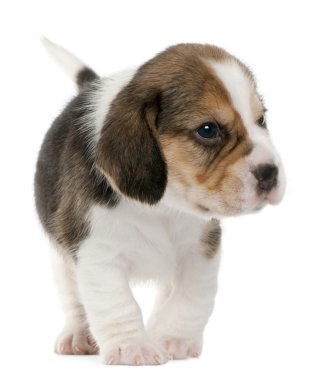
{"type": "Point", "coordinates": [131, 181]}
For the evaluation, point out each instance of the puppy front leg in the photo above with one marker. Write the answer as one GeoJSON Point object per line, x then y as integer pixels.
{"type": "Point", "coordinates": [184, 306]}
{"type": "Point", "coordinates": [113, 315]}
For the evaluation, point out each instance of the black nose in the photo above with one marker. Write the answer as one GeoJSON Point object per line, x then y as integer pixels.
{"type": "Point", "coordinates": [266, 176]}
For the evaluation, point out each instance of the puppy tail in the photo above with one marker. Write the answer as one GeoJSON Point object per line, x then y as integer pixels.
{"type": "Point", "coordinates": [71, 65]}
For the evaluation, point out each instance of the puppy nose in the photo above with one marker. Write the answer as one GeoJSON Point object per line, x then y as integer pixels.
{"type": "Point", "coordinates": [266, 176]}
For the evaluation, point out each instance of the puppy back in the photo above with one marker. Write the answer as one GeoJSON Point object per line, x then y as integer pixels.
{"type": "Point", "coordinates": [66, 181]}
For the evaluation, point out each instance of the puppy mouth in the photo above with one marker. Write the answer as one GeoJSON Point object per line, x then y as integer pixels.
{"type": "Point", "coordinates": [274, 197]}
{"type": "Point", "coordinates": [255, 203]}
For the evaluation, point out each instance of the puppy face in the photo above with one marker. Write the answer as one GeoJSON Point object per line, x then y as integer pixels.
{"type": "Point", "coordinates": [194, 130]}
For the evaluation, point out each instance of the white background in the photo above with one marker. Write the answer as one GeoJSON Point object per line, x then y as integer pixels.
{"type": "Point", "coordinates": [274, 313]}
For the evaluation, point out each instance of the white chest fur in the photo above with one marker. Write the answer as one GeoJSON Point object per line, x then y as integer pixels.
{"type": "Point", "coordinates": [149, 241]}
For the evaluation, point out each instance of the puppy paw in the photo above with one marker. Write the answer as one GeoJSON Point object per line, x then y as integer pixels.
{"type": "Point", "coordinates": [76, 342]}
{"type": "Point", "coordinates": [135, 353]}
{"type": "Point", "coordinates": [179, 348]}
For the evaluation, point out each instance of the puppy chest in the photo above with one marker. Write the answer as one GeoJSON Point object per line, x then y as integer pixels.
{"type": "Point", "coordinates": [150, 242]}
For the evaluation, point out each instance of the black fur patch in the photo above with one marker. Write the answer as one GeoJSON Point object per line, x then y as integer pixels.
{"type": "Point", "coordinates": [85, 77]}
{"type": "Point", "coordinates": [66, 181]}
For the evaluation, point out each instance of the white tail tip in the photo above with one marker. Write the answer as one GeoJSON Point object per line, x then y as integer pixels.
{"type": "Point", "coordinates": [69, 63]}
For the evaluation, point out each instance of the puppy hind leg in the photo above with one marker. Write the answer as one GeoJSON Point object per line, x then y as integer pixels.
{"type": "Point", "coordinates": [75, 338]}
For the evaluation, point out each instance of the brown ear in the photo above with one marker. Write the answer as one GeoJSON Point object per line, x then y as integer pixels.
{"type": "Point", "coordinates": [128, 153]}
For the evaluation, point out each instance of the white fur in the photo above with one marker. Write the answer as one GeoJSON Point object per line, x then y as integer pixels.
{"type": "Point", "coordinates": [241, 89]}
{"type": "Point", "coordinates": [238, 85]}
{"type": "Point", "coordinates": [138, 242]}
{"type": "Point", "coordinates": [68, 62]}
{"type": "Point", "coordinates": [106, 91]}
{"type": "Point", "coordinates": [101, 94]}
{"type": "Point", "coordinates": [74, 336]}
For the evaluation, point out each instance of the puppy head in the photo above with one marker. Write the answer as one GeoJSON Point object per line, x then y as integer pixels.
{"type": "Point", "coordinates": [193, 112]}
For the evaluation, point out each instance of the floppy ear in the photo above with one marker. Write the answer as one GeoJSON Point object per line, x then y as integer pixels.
{"type": "Point", "coordinates": [128, 152]}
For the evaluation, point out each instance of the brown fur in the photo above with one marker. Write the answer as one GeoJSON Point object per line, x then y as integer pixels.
{"type": "Point", "coordinates": [147, 139]}
{"type": "Point", "coordinates": [191, 94]}
{"type": "Point", "coordinates": [182, 92]}
{"type": "Point", "coordinates": [128, 152]}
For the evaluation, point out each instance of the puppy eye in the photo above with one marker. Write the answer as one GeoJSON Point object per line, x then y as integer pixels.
{"type": "Point", "coordinates": [262, 121]}
{"type": "Point", "coordinates": [208, 131]}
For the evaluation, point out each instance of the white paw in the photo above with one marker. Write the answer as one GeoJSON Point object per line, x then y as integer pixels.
{"type": "Point", "coordinates": [180, 348]}
{"type": "Point", "coordinates": [135, 353]}
{"type": "Point", "coordinates": [76, 341]}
